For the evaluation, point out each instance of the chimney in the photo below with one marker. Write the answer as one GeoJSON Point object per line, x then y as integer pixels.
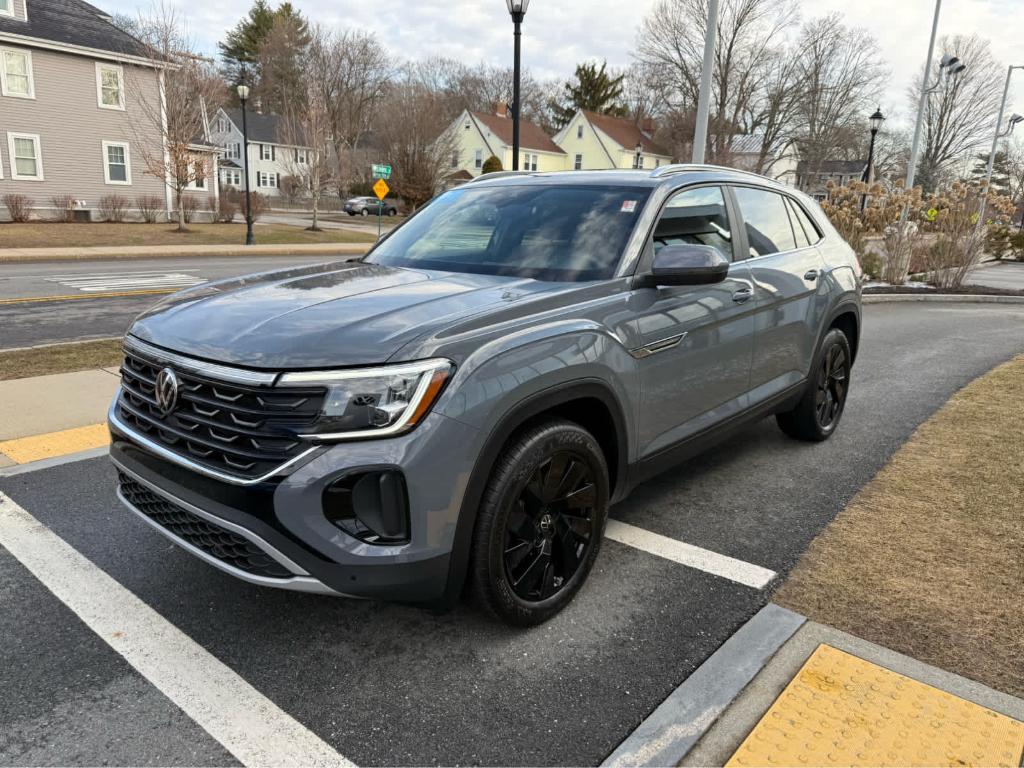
{"type": "Point", "coordinates": [647, 127]}
{"type": "Point", "coordinates": [501, 109]}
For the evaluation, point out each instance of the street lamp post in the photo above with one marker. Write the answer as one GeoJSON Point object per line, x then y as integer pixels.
{"type": "Point", "coordinates": [700, 132]}
{"type": "Point", "coordinates": [517, 9]}
{"type": "Point", "coordinates": [1014, 120]}
{"type": "Point", "coordinates": [638, 160]}
{"type": "Point", "coordinates": [876, 121]}
{"type": "Point", "coordinates": [243, 96]}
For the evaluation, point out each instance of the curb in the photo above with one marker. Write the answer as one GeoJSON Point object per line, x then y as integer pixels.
{"type": "Point", "coordinates": [28, 255]}
{"type": "Point", "coordinates": [56, 461]}
{"type": "Point", "coordinates": [679, 722]}
{"type": "Point", "coordinates": [956, 298]}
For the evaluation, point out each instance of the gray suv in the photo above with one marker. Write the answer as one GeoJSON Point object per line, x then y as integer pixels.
{"type": "Point", "coordinates": [457, 410]}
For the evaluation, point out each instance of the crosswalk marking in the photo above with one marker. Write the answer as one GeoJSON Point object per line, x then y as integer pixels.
{"type": "Point", "coordinates": [124, 281]}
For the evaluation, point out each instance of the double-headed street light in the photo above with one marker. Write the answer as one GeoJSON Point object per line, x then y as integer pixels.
{"type": "Point", "coordinates": [243, 96]}
{"type": "Point", "coordinates": [1011, 124]}
{"type": "Point", "coordinates": [517, 9]}
{"type": "Point", "coordinates": [876, 121]}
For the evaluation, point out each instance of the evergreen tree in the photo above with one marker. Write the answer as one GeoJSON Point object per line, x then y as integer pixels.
{"type": "Point", "coordinates": [595, 90]}
{"type": "Point", "coordinates": [491, 165]}
{"type": "Point", "coordinates": [1001, 171]}
{"type": "Point", "coordinates": [242, 47]}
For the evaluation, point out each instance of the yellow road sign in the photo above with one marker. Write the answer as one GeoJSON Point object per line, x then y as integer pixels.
{"type": "Point", "coordinates": [381, 189]}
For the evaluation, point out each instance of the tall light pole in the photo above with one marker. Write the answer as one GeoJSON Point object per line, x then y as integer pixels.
{"type": "Point", "coordinates": [243, 96]}
{"type": "Point", "coordinates": [517, 9]}
{"type": "Point", "coordinates": [638, 158]}
{"type": "Point", "coordinates": [876, 121]}
{"type": "Point", "coordinates": [925, 90]}
{"type": "Point", "coordinates": [1014, 119]}
{"type": "Point", "coordinates": [700, 133]}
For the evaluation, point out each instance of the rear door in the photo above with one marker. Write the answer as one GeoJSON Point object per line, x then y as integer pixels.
{"type": "Point", "coordinates": [785, 266]}
{"type": "Point", "coordinates": [696, 341]}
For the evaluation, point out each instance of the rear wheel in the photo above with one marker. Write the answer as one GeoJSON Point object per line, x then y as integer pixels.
{"type": "Point", "coordinates": [540, 523]}
{"type": "Point", "coordinates": [392, 212]}
{"type": "Point", "coordinates": [817, 414]}
{"type": "Point", "coordinates": [364, 212]}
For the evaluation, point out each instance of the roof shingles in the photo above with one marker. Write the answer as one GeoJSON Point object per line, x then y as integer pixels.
{"type": "Point", "coordinates": [73, 22]}
{"type": "Point", "coordinates": [625, 133]}
{"type": "Point", "coordinates": [531, 136]}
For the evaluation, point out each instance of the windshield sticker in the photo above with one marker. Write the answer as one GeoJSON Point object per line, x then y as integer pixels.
{"type": "Point", "coordinates": [628, 206]}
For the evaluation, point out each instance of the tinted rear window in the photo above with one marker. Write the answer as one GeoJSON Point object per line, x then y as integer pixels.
{"type": "Point", "coordinates": [768, 227]}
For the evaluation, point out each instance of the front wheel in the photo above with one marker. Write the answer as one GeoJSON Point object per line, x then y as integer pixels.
{"type": "Point", "coordinates": [540, 523]}
{"type": "Point", "coordinates": [364, 212]}
{"type": "Point", "coordinates": [817, 414]}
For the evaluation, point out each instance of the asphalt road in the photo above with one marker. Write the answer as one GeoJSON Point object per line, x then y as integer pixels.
{"type": "Point", "coordinates": [35, 308]}
{"type": "Point", "coordinates": [387, 684]}
{"type": "Point", "coordinates": [1006, 274]}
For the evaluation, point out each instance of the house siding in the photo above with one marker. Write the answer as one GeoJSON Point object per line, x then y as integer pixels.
{"type": "Point", "coordinates": [19, 9]}
{"type": "Point", "coordinates": [282, 164]}
{"type": "Point", "coordinates": [596, 146]}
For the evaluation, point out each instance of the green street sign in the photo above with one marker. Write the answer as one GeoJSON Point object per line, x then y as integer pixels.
{"type": "Point", "coordinates": [381, 171]}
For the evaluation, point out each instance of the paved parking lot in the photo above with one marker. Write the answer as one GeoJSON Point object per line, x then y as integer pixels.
{"type": "Point", "coordinates": [385, 684]}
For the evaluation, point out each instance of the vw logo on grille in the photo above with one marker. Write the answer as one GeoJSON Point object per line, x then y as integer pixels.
{"type": "Point", "coordinates": [166, 391]}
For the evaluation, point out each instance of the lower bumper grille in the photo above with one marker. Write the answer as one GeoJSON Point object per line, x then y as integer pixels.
{"type": "Point", "coordinates": [217, 542]}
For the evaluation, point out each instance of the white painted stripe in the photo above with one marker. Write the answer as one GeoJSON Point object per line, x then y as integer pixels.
{"type": "Point", "coordinates": [248, 724]}
{"type": "Point", "coordinates": [93, 275]}
{"type": "Point", "coordinates": [705, 560]}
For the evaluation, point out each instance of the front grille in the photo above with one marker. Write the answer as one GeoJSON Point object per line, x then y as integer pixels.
{"type": "Point", "coordinates": [218, 542]}
{"type": "Point", "coordinates": [246, 432]}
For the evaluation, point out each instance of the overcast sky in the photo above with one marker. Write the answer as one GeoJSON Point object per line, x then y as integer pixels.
{"type": "Point", "coordinates": [560, 33]}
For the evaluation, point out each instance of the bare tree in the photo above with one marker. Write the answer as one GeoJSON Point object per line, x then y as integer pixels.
{"type": "Point", "coordinates": [960, 116]}
{"type": "Point", "coordinates": [353, 72]}
{"type": "Point", "coordinates": [671, 42]}
{"type": "Point", "coordinates": [411, 132]}
{"type": "Point", "coordinates": [177, 111]}
{"type": "Point", "coordinates": [307, 127]}
{"type": "Point", "coordinates": [841, 79]}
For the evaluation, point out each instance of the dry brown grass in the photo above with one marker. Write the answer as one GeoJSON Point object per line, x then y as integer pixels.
{"type": "Point", "coordinates": [60, 358]}
{"type": "Point", "coordinates": [42, 234]}
{"type": "Point", "coordinates": [928, 559]}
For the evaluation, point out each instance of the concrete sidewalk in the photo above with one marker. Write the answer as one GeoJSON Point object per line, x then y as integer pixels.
{"type": "Point", "coordinates": [23, 255]}
{"type": "Point", "coordinates": [44, 417]}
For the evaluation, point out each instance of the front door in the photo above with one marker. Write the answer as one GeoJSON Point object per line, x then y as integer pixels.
{"type": "Point", "coordinates": [695, 341]}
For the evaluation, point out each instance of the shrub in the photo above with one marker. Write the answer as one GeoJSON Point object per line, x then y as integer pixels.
{"type": "Point", "coordinates": [65, 207]}
{"type": "Point", "coordinates": [189, 206]}
{"type": "Point", "coordinates": [227, 205]}
{"type": "Point", "coordinates": [18, 207]}
{"type": "Point", "coordinates": [113, 208]}
{"type": "Point", "coordinates": [259, 203]}
{"type": "Point", "coordinates": [149, 207]}
{"type": "Point", "coordinates": [491, 165]}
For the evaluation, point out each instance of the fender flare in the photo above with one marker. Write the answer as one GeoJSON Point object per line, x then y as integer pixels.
{"type": "Point", "coordinates": [512, 420]}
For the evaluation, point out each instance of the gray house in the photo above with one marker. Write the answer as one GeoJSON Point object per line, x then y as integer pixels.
{"type": "Point", "coordinates": [814, 178]}
{"type": "Point", "coordinates": [72, 124]}
{"type": "Point", "coordinates": [273, 155]}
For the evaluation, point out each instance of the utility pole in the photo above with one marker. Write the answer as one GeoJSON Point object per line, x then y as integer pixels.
{"type": "Point", "coordinates": [700, 133]}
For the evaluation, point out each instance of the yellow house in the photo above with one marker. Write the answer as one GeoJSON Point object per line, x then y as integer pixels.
{"type": "Point", "coordinates": [480, 135]}
{"type": "Point", "coordinates": [596, 142]}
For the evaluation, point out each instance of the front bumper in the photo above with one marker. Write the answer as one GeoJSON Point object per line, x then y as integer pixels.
{"type": "Point", "coordinates": [280, 523]}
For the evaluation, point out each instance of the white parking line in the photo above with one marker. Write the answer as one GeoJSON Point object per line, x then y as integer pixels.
{"type": "Point", "coordinates": [705, 560]}
{"type": "Point", "coordinates": [248, 724]}
{"type": "Point", "coordinates": [128, 280]}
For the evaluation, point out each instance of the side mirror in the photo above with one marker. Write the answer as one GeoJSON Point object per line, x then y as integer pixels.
{"type": "Point", "coordinates": [688, 264]}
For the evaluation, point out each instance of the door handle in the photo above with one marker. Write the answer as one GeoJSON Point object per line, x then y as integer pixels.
{"type": "Point", "coordinates": [742, 295]}
{"type": "Point", "coordinates": [811, 275]}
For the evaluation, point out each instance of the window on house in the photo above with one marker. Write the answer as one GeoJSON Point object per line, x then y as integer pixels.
{"type": "Point", "coordinates": [579, 131]}
{"type": "Point", "coordinates": [6, 7]}
{"type": "Point", "coordinates": [578, 163]}
{"type": "Point", "coordinates": [110, 86]}
{"type": "Point", "coordinates": [465, 127]}
{"type": "Point", "coordinates": [26, 157]}
{"type": "Point", "coordinates": [301, 157]}
{"type": "Point", "coordinates": [234, 150]}
{"type": "Point", "coordinates": [199, 174]}
{"type": "Point", "coordinates": [455, 158]}
{"type": "Point", "coordinates": [267, 179]}
{"type": "Point", "coordinates": [116, 163]}
{"type": "Point", "coordinates": [529, 162]}
{"type": "Point", "coordinates": [478, 159]}
{"type": "Point", "coordinates": [267, 152]}
{"type": "Point", "coordinates": [233, 178]}
{"type": "Point", "coordinates": [16, 74]}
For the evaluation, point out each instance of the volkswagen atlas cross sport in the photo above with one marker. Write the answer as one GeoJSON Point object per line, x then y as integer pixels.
{"type": "Point", "coordinates": [457, 410]}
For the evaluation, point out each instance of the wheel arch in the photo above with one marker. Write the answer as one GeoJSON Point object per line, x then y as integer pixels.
{"type": "Point", "coordinates": [846, 317]}
{"type": "Point", "coordinates": [590, 403]}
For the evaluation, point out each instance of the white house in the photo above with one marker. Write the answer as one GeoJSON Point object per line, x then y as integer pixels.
{"type": "Point", "coordinates": [780, 162]}
{"type": "Point", "coordinates": [595, 142]}
{"type": "Point", "coordinates": [271, 157]}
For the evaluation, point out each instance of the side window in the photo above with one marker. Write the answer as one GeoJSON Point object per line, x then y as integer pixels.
{"type": "Point", "coordinates": [768, 227]}
{"type": "Point", "coordinates": [802, 241]}
{"type": "Point", "coordinates": [696, 216]}
{"type": "Point", "coordinates": [810, 228]}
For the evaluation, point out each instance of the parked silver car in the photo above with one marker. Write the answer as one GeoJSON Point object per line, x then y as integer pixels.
{"type": "Point", "coordinates": [466, 401]}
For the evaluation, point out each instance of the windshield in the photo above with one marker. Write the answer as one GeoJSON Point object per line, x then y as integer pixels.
{"type": "Point", "coordinates": [557, 232]}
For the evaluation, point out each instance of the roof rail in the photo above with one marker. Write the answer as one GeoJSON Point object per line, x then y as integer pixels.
{"type": "Point", "coordinates": [671, 170]}
{"type": "Point", "coordinates": [500, 175]}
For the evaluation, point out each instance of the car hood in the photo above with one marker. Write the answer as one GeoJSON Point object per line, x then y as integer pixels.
{"type": "Point", "coordinates": [324, 316]}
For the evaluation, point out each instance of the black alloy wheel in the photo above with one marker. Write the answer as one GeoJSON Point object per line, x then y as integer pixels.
{"type": "Point", "coordinates": [833, 374]}
{"type": "Point", "coordinates": [820, 408]}
{"type": "Point", "coordinates": [550, 527]}
{"type": "Point", "coordinates": [540, 522]}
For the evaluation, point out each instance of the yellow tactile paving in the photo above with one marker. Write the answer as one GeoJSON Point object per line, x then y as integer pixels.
{"type": "Point", "coordinates": [842, 710]}
{"type": "Point", "coordinates": [26, 449]}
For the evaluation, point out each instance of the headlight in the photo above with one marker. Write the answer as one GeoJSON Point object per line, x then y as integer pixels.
{"type": "Point", "coordinates": [373, 402]}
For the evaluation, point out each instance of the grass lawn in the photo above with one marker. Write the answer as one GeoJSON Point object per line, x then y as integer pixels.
{"type": "Point", "coordinates": [928, 559]}
{"type": "Point", "coordinates": [38, 234]}
{"type": "Point", "coordinates": [60, 358]}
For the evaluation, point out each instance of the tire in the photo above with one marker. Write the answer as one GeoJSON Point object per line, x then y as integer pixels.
{"type": "Point", "coordinates": [540, 523]}
{"type": "Point", "coordinates": [392, 212]}
{"type": "Point", "coordinates": [364, 212]}
{"type": "Point", "coordinates": [817, 415]}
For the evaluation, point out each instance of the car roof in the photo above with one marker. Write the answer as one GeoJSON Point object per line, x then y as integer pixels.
{"type": "Point", "coordinates": [666, 175]}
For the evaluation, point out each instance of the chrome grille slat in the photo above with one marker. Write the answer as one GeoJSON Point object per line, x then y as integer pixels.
{"type": "Point", "coordinates": [228, 427]}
